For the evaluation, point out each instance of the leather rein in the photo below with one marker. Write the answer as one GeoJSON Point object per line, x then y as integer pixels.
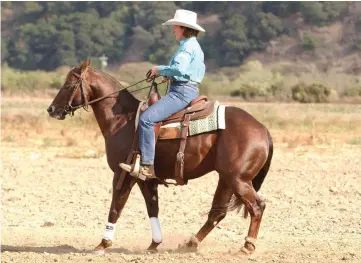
{"type": "Point", "coordinates": [69, 109]}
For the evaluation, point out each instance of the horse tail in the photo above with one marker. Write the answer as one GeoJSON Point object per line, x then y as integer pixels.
{"type": "Point", "coordinates": [236, 202]}
{"type": "Point", "coordinates": [259, 178]}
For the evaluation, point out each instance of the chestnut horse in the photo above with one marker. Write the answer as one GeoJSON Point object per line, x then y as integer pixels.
{"type": "Point", "coordinates": [241, 153]}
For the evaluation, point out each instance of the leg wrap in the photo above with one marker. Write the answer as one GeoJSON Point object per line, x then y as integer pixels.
{"type": "Point", "coordinates": [156, 231]}
{"type": "Point", "coordinates": [109, 231]}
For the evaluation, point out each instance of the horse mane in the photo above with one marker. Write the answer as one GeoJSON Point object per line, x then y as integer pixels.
{"type": "Point", "coordinates": [110, 78]}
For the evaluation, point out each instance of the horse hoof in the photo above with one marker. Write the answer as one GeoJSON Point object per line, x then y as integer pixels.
{"type": "Point", "coordinates": [100, 249]}
{"type": "Point", "coordinates": [190, 246]}
{"type": "Point", "coordinates": [152, 250]}
{"type": "Point", "coordinates": [243, 252]}
{"type": "Point", "coordinates": [153, 247]}
{"type": "Point", "coordinates": [99, 252]}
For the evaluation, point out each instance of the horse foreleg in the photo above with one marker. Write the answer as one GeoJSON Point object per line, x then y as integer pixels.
{"type": "Point", "coordinates": [149, 190]}
{"type": "Point", "coordinates": [119, 200]}
{"type": "Point", "coordinates": [218, 211]}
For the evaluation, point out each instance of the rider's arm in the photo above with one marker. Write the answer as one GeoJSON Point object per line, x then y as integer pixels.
{"type": "Point", "coordinates": [178, 66]}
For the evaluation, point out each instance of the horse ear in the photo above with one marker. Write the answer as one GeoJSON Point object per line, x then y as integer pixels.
{"type": "Point", "coordinates": [85, 65]}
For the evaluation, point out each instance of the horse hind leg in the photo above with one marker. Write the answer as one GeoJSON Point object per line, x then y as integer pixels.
{"type": "Point", "coordinates": [245, 194]}
{"type": "Point", "coordinates": [218, 211]}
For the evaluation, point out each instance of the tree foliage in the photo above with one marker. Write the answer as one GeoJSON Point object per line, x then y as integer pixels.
{"type": "Point", "coordinates": [322, 13]}
{"type": "Point", "coordinates": [46, 35]}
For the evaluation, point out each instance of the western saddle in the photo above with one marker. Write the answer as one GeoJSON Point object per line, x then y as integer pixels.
{"type": "Point", "coordinates": [198, 108]}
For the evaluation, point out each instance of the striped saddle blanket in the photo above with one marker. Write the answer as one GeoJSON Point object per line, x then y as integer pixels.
{"type": "Point", "coordinates": [214, 121]}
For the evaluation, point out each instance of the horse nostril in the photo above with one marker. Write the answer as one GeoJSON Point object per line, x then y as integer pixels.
{"type": "Point", "coordinates": [50, 109]}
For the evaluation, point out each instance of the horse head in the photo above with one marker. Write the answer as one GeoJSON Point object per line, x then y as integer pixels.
{"type": "Point", "coordinates": [74, 93]}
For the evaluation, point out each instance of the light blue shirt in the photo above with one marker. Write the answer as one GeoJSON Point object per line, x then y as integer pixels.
{"type": "Point", "coordinates": [187, 63]}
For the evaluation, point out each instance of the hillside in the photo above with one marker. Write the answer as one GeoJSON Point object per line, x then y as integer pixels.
{"type": "Point", "coordinates": [253, 50]}
{"type": "Point", "coordinates": [46, 35]}
{"type": "Point", "coordinates": [334, 46]}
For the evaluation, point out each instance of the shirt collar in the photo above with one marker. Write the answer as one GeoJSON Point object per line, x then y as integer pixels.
{"type": "Point", "coordinates": [185, 40]}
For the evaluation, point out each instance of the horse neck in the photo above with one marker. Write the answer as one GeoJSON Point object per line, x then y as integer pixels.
{"type": "Point", "coordinates": [117, 110]}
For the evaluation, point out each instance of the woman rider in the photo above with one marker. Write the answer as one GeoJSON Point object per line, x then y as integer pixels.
{"type": "Point", "coordinates": [185, 71]}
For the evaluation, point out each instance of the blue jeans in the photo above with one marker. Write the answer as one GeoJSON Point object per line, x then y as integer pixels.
{"type": "Point", "coordinates": [179, 96]}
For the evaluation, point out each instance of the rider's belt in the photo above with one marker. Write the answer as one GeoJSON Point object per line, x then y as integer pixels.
{"type": "Point", "coordinates": [174, 81]}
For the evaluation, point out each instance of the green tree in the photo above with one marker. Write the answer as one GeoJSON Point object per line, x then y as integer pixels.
{"type": "Point", "coordinates": [151, 15]}
{"type": "Point", "coordinates": [143, 40]}
{"type": "Point", "coordinates": [82, 26]}
{"type": "Point", "coordinates": [163, 46]}
{"type": "Point", "coordinates": [59, 7]}
{"type": "Point", "coordinates": [4, 49]}
{"type": "Point", "coordinates": [313, 12]}
{"type": "Point", "coordinates": [232, 41]}
{"type": "Point", "coordinates": [106, 8]}
{"type": "Point", "coordinates": [204, 7]}
{"type": "Point", "coordinates": [263, 28]}
{"type": "Point", "coordinates": [65, 50]}
{"type": "Point", "coordinates": [281, 9]}
{"type": "Point", "coordinates": [321, 13]}
{"type": "Point", "coordinates": [334, 9]}
{"type": "Point", "coordinates": [18, 54]}
{"type": "Point", "coordinates": [37, 40]}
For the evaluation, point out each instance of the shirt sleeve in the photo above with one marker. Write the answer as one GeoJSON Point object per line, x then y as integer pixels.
{"type": "Point", "coordinates": [179, 66]}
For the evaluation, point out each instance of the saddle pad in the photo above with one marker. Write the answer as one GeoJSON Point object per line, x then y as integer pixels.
{"type": "Point", "coordinates": [213, 122]}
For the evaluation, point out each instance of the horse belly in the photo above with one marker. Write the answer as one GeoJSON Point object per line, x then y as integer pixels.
{"type": "Point", "coordinates": [199, 156]}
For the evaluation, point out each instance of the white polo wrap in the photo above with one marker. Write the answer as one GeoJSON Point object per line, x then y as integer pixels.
{"type": "Point", "coordinates": [156, 231]}
{"type": "Point", "coordinates": [109, 231]}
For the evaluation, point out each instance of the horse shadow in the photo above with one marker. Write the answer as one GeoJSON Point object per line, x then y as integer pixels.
{"type": "Point", "coordinates": [62, 249]}
{"type": "Point", "coordinates": [66, 249]}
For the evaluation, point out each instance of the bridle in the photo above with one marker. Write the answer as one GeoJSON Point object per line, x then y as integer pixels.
{"type": "Point", "coordinates": [69, 109]}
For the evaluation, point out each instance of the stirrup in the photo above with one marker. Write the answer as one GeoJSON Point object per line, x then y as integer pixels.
{"type": "Point", "coordinates": [133, 169]}
{"type": "Point", "coordinates": [136, 168]}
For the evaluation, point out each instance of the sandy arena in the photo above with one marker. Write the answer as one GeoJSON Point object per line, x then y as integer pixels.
{"type": "Point", "coordinates": [55, 207]}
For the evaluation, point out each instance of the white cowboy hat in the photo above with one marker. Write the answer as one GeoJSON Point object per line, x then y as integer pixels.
{"type": "Point", "coordinates": [184, 18]}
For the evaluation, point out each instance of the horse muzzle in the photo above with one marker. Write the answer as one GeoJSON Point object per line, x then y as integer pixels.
{"type": "Point", "coordinates": [54, 113]}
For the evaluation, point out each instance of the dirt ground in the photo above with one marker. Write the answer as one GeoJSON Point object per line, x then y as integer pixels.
{"type": "Point", "coordinates": [54, 209]}
{"type": "Point", "coordinates": [56, 192]}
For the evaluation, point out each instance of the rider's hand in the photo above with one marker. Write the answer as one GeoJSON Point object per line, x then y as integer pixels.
{"type": "Point", "coordinates": [154, 71]}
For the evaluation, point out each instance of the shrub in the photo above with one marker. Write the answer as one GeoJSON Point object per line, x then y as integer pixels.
{"type": "Point", "coordinates": [256, 81]}
{"type": "Point", "coordinates": [314, 93]}
{"type": "Point", "coordinates": [309, 42]}
{"type": "Point", "coordinates": [14, 81]}
{"type": "Point", "coordinates": [247, 91]}
{"type": "Point", "coordinates": [353, 91]}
